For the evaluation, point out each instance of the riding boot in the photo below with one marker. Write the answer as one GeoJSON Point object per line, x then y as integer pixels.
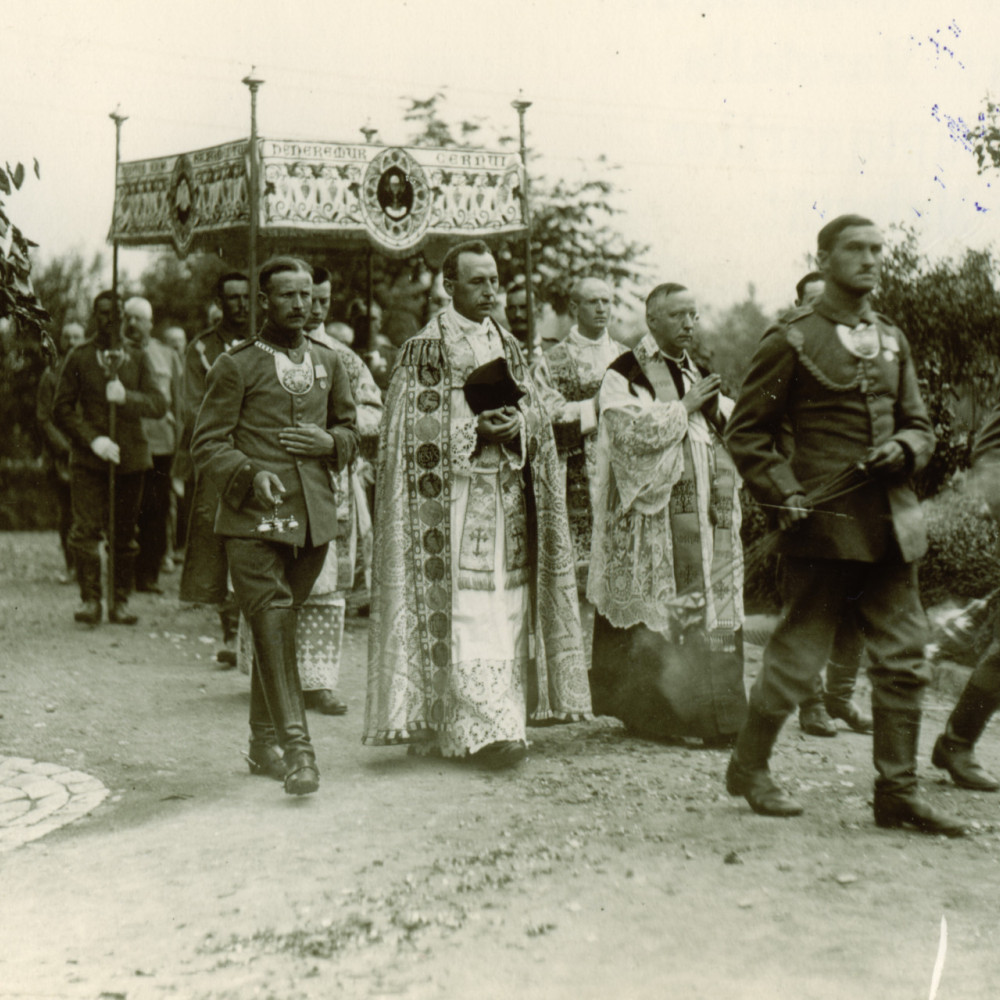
{"type": "Point", "coordinates": [274, 642]}
{"type": "Point", "coordinates": [88, 575]}
{"type": "Point", "coordinates": [264, 757]}
{"type": "Point", "coordinates": [748, 773]}
{"type": "Point", "coordinates": [813, 720]}
{"type": "Point", "coordinates": [954, 749]}
{"type": "Point", "coordinates": [118, 612]}
{"type": "Point", "coordinates": [897, 799]}
{"type": "Point", "coordinates": [838, 701]}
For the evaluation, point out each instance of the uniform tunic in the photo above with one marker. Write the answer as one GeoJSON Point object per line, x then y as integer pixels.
{"type": "Point", "coordinates": [865, 532]}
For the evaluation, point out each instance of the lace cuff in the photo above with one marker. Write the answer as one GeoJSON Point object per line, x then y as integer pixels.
{"type": "Point", "coordinates": [464, 440]}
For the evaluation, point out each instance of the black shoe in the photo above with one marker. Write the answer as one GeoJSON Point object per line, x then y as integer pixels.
{"type": "Point", "coordinates": [266, 761]}
{"type": "Point", "coordinates": [894, 811]}
{"type": "Point", "coordinates": [852, 715]}
{"type": "Point", "coordinates": [325, 702]}
{"type": "Point", "coordinates": [148, 588]}
{"type": "Point", "coordinates": [759, 789]}
{"type": "Point", "coordinates": [301, 777]}
{"type": "Point", "coordinates": [119, 614]}
{"type": "Point", "coordinates": [226, 658]}
{"type": "Point", "coordinates": [504, 753]}
{"type": "Point", "coordinates": [814, 721]}
{"type": "Point", "coordinates": [958, 759]}
{"type": "Point", "coordinates": [89, 613]}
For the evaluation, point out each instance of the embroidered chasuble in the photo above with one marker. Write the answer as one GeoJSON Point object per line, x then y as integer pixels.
{"type": "Point", "coordinates": [575, 367]}
{"type": "Point", "coordinates": [666, 562]}
{"type": "Point", "coordinates": [471, 627]}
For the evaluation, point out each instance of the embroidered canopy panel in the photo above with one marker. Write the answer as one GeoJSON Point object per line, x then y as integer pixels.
{"type": "Point", "coordinates": [320, 194]}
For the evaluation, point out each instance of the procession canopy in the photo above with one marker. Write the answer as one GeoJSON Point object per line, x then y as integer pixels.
{"type": "Point", "coordinates": [318, 195]}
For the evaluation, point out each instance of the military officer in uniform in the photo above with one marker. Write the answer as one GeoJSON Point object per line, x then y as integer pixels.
{"type": "Point", "coordinates": [277, 421]}
{"type": "Point", "coordinates": [841, 380]}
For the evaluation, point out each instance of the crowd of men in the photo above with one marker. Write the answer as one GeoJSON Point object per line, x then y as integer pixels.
{"type": "Point", "coordinates": [545, 535]}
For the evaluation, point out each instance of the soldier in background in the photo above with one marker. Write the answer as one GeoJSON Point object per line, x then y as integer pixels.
{"type": "Point", "coordinates": [95, 374]}
{"type": "Point", "coordinates": [154, 512]}
{"type": "Point", "coordinates": [204, 579]}
{"type": "Point", "coordinates": [57, 444]}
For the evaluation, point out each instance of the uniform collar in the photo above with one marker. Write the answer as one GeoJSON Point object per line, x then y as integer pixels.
{"type": "Point", "coordinates": [838, 308]}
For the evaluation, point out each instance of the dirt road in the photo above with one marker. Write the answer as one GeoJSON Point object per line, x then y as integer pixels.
{"type": "Point", "coordinates": [605, 867]}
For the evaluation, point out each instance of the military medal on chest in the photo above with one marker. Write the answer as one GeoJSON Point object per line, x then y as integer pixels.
{"type": "Point", "coordinates": [295, 370]}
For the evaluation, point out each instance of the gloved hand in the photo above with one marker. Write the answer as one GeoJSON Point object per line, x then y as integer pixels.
{"type": "Point", "coordinates": [114, 391]}
{"type": "Point", "coordinates": [106, 449]}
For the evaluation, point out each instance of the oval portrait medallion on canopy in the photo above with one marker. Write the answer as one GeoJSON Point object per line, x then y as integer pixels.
{"type": "Point", "coordinates": [396, 200]}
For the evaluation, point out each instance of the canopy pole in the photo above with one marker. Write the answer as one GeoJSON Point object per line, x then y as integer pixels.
{"type": "Point", "coordinates": [115, 359]}
{"type": "Point", "coordinates": [370, 346]}
{"type": "Point", "coordinates": [534, 350]}
{"type": "Point", "coordinates": [254, 83]}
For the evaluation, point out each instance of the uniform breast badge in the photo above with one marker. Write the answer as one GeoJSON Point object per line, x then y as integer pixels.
{"type": "Point", "coordinates": [295, 377]}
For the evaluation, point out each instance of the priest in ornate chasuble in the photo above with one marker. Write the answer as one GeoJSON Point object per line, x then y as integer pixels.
{"type": "Point", "coordinates": [575, 367]}
{"type": "Point", "coordinates": [474, 622]}
{"type": "Point", "coordinates": [666, 563]}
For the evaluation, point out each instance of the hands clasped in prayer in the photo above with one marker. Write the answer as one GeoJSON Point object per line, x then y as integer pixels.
{"type": "Point", "coordinates": [701, 392]}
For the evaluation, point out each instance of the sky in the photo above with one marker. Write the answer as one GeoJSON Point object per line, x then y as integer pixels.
{"type": "Point", "coordinates": [737, 128]}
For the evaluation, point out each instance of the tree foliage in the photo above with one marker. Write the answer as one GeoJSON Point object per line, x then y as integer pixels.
{"type": "Point", "coordinates": [574, 232]}
{"type": "Point", "coordinates": [66, 286]}
{"type": "Point", "coordinates": [950, 313]}
{"type": "Point", "coordinates": [985, 138]}
{"type": "Point", "coordinates": [728, 340]}
{"type": "Point", "coordinates": [24, 340]}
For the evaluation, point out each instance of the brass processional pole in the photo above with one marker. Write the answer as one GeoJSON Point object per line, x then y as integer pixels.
{"type": "Point", "coordinates": [520, 106]}
{"type": "Point", "coordinates": [254, 83]}
{"type": "Point", "coordinates": [115, 356]}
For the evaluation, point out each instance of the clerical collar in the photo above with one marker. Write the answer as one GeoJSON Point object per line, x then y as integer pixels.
{"type": "Point", "coordinates": [464, 324]}
{"type": "Point", "coordinates": [578, 339]}
{"type": "Point", "coordinates": [653, 349]}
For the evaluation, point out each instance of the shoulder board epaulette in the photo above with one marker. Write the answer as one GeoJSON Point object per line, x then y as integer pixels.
{"type": "Point", "coordinates": [235, 349]}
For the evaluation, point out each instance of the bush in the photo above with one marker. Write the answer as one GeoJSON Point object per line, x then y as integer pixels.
{"type": "Point", "coordinates": [27, 502]}
{"type": "Point", "coordinates": [961, 561]}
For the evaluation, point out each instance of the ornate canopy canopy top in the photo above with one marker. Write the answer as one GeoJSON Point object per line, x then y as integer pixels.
{"type": "Point", "coordinates": [318, 195]}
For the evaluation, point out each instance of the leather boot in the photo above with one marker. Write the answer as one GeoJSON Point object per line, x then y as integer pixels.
{"type": "Point", "coordinates": [897, 800]}
{"type": "Point", "coordinates": [954, 749]}
{"type": "Point", "coordinates": [118, 612]}
{"type": "Point", "coordinates": [264, 757]}
{"type": "Point", "coordinates": [748, 774]}
{"type": "Point", "coordinates": [837, 699]}
{"type": "Point", "coordinates": [274, 642]}
{"type": "Point", "coordinates": [88, 574]}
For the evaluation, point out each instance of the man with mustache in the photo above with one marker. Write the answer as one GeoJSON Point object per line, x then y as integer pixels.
{"type": "Point", "coordinates": [277, 421]}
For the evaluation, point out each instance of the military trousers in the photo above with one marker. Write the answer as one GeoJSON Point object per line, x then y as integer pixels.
{"type": "Point", "coordinates": [89, 489]}
{"type": "Point", "coordinates": [819, 594]}
{"type": "Point", "coordinates": [269, 574]}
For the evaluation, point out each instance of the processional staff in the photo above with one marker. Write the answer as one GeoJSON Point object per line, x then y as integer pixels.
{"type": "Point", "coordinates": [520, 106]}
{"type": "Point", "coordinates": [254, 83]}
{"type": "Point", "coordinates": [114, 355]}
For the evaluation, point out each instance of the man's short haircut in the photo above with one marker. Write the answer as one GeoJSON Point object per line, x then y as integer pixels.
{"type": "Point", "coordinates": [800, 288]}
{"type": "Point", "coordinates": [321, 275]}
{"type": "Point", "coordinates": [220, 284]}
{"type": "Point", "coordinates": [106, 296]}
{"type": "Point", "coordinates": [449, 266]}
{"type": "Point", "coordinates": [278, 265]}
{"type": "Point", "coordinates": [827, 238]}
{"type": "Point", "coordinates": [662, 291]}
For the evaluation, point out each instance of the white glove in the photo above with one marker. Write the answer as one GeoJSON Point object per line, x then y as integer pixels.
{"type": "Point", "coordinates": [114, 391]}
{"type": "Point", "coordinates": [106, 449]}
